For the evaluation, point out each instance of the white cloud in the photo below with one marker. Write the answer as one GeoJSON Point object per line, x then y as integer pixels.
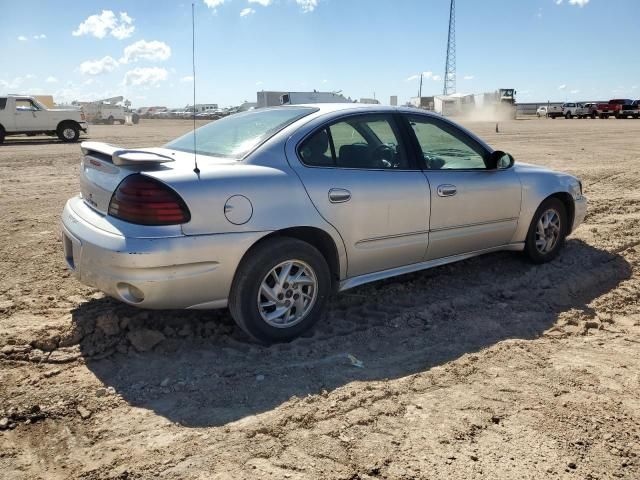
{"type": "Point", "coordinates": [188, 78]}
{"type": "Point", "coordinates": [142, 50]}
{"type": "Point", "coordinates": [107, 23]}
{"type": "Point", "coordinates": [425, 76]}
{"type": "Point", "coordinates": [247, 11]}
{"type": "Point", "coordinates": [148, 76]}
{"type": "Point", "coordinates": [573, 92]}
{"type": "Point", "coordinates": [213, 3]}
{"type": "Point", "coordinates": [29, 76]}
{"type": "Point", "coordinates": [580, 3]}
{"type": "Point", "coordinates": [562, 87]}
{"type": "Point", "coordinates": [22, 38]}
{"type": "Point", "coordinates": [42, 36]}
{"type": "Point", "coordinates": [51, 79]}
{"type": "Point", "coordinates": [259, 82]}
{"type": "Point", "coordinates": [468, 77]}
{"type": "Point", "coordinates": [634, 87]}
{"type": "Point", "coordinates": [307, 5]}
{"type": "Point", "coordinates": [264, 3]}
{"type": "Point", "coordinates": [98, 67]}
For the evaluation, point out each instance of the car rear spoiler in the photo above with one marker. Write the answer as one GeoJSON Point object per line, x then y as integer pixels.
{"type": "Point", "coordinates": [123, 156]}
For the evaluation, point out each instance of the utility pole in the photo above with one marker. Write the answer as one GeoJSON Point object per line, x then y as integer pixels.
{"type": "Point", "coordinates": [450, 66]}
{"type": "Point", "coordinates": [420, 89]}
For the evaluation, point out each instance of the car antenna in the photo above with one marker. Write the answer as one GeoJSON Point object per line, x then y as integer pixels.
{"type": "Point", "coordinates": [193, 64]}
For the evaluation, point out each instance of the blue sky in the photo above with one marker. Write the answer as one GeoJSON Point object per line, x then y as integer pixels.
{"type": "Point", "coordinates": [546, 49]}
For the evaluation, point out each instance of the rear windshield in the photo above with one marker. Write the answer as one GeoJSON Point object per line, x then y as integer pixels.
{"type": "Point", "coordinates": [237, 135]}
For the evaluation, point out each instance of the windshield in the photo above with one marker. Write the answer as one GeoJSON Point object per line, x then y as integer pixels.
{"type": "Point", "coordinates": [237, 135]}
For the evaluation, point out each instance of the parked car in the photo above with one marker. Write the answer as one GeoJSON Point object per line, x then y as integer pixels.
{"type": "Point", "coordinates": [630, 110]}
{"type": "Point", "coordinates": [542, 111]}
{"type": "Point", "coordinates": [25, 115]}
{"type": "Point", "coordinates": [613, 107]}
{"type": "Point", "coordinates": [289, 204]}
{"type": "Point", "coordinates": [579, 110]}
{"type": "Point", "coordinates": [590, 110]}
{"type": "Point", "coordinates": [550, 111]}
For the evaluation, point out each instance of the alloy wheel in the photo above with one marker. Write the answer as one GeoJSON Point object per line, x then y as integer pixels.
{"type": "Point", "coordinates": [287, 293]}
{"type": "Point", "coordinates": [548, 231]}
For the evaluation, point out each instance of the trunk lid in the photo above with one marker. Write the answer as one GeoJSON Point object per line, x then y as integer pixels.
{"type": "Point", "coordinates": [104, 166]}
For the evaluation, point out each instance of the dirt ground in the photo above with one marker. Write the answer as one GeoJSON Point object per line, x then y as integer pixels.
{"type": "Point", "coordinates": [490, 368]}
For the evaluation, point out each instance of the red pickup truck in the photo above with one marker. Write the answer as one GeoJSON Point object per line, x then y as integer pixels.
{"type": "Point", "coordinates": [613, 108]}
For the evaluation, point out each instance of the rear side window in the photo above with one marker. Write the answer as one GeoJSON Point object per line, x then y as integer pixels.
{"type": "Point", "coordinates": [237, 135]}
{"type": "Point", "coordinates": [369, 142]}
{"type": "Point", "coordinates": [3, 103]}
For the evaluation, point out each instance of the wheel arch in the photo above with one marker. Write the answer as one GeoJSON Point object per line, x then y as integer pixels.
{"type": "Point", "coordinates": [61, 123]}
{"type": "Point", "coordinates": [314, 236]}
{"type": "Point", "coordinates": [567, 201]}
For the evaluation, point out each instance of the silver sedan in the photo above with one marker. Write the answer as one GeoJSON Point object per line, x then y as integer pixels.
{"type": "Point", "coordinates": [271, 211]}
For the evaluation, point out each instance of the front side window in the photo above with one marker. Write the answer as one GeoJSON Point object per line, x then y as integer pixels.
{"type": "Point", "coordinates": [25, 105]}
{"type": "Point", "coordinates": [362, 141]}
{"type": "Point", "coordinates": [444, 148]}
{"type": "Point", "coordinates": [3, 103]}
{"type": "Point", "coordinates": [237, 135]}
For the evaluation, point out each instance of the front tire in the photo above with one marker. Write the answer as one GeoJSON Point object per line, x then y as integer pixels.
{"type": "Point", "coordinates": [547, 231]}
{"type": "Point", "coordinates": [280, 290]}
{"type": "Point", "coordinates": [2, 134]}
{"type": "Point", "coordinates": [68, 132]}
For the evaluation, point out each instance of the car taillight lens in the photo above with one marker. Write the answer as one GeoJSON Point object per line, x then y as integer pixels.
{"type": "Point", "coordinates": [145, 201]}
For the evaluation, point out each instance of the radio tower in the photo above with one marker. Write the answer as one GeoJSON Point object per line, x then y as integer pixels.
{"type": "Point", "coordinates": [450, 67]}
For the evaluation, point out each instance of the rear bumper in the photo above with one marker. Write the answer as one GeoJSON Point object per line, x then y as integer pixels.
{"type": "Point", "coordinates": [158, 273]}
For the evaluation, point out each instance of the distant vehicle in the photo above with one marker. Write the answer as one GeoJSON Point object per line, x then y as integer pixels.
{"type": "Point", "coordinates": [542, 111]}
{"type": "Point", "coordinates": [503, 101]}
{"type": "Point", "coordinates": [579, 110]}
{"type": "Point", "coordinates": [148, 112]}
{"type": "Point", "coordinates": [613, 107]}
{"type": "Point", "coordinates": [553, 111]}
{"type": "Point", "coordinates": [291, 204]}
{"type": "Point", "coordinates": [590, 109]}
{"type": "Point", "coordinates": [24, 115]}
{"type": "Point", "coordinates": [108, 111]}
{"type": "Point", "coordinates": [630, 110]}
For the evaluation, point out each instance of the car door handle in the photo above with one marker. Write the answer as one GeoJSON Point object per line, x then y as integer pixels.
{"type": "Point", "coordinates": [447, 190]}
{"type": "Point", "coordinates": [339, 195]}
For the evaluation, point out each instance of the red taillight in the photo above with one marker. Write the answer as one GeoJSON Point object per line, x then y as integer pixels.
{"type": "Point", "coordinates": [145, 201]}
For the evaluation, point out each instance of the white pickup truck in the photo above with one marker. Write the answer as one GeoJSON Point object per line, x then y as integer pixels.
{"type": "Point", "coordinates": [24, 115]}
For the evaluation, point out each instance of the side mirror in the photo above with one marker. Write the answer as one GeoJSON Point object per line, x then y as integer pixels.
{"type": "Point", "coordinates": [499, 160]}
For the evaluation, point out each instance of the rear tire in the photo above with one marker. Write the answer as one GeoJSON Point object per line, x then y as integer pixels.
{"type": "Point", "coordinates": [547, 231]}
{"type": "Point", "coordinates": [68, 132]}
{"type": "Point", "coordinates": [266, 309]}
{"type": "Point", "coordinates": [568, 116]}
{"type": "Point", "coordinates": [110, 121]}
{"type": "Point", "coordinates": [135, 119]}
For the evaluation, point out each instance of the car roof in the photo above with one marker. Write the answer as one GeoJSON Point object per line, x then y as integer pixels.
{"type": "Point", "coordinates": [327, 108]}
